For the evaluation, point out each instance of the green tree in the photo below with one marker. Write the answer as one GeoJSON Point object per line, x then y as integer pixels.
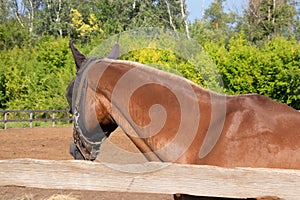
{"type": "Point", "coordinates": [25, 12]}
{"type": "Point", "coordinates": [53, 18]}
{"type": "Point", "coordinates": [4, 10]}
{"type": "Point", "coordinates": [217, 24]}
{"type": "Point", "coordinates": [265, 19]}
{"type": "Point", "coordinates": [296, 21]}
{"type": "Point", "coordinates": [118, 16]}
{"type": "Point", "coordinates": [82, 29]}
{"type": "Point", "coordinates": [13, 34]}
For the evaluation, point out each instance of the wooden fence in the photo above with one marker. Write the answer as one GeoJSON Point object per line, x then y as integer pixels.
{"type": "Point", "coordinates": [166, 179]}
{"type": "Point", "coordinates": [31, 116]}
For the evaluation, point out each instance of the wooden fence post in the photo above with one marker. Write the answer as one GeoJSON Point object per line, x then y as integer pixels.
{"type": "Point", "coordinates": [5, 120]}
{"type": "Point", "coordinates": [53, 119]}
{"type": "Point", "coordinates": [30, 119]}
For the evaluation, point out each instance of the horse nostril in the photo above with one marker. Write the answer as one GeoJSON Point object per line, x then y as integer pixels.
{"type": "Point", "coordinates": [74, 152]}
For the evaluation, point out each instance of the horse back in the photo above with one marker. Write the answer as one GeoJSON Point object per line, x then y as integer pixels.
{"type": "Point", "coordinates": [258, 132]}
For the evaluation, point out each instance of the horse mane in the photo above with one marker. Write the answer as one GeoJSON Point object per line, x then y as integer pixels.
{"type": "Point", "coordinates": [160, 73]}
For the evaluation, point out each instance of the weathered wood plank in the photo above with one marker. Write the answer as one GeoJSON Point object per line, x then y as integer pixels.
{"type": "Point", "coordinates": [161, 178]}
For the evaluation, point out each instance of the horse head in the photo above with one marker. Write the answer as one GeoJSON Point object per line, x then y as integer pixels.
{"type": "Point", "coordinates": [92, 123]}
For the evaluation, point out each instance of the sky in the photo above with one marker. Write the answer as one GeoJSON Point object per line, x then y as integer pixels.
{"type": "Point", "coordinates": [195, 6]}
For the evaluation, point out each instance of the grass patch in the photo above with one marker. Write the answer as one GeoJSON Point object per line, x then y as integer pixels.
{"type": "Point", "coordinates": [34, 124]}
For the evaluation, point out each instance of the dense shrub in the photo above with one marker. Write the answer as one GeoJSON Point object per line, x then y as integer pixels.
{"type": "Point", "coordinates": [36, 77]}
{"type": "Point", "coordinates": [272, 70]}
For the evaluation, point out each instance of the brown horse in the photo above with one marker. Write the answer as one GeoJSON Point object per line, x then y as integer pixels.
{"type": "Point", "coordinates": [172, 119]}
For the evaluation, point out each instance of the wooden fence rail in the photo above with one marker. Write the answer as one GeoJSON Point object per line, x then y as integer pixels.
{"type": "Point", "coordinates": [163, 178]}
{"type": "Point", "coordinates": [31, 118]}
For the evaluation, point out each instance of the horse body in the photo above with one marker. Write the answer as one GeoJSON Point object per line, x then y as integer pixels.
{"type": "Point", "coordinates": [257, 132]}
{"type": "Point", "coordinates": [172, 119]}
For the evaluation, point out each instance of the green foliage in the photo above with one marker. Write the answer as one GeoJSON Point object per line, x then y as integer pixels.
{"type": "Point", "coordinates": [265, 19]}
{"type": "Point", "coordinates": [167, 61]}
{"type": "Point", "coordinates": [158, 47]}
{"type": "Point", "coordinates": [283, 73]}
{"type": "Point", "coordinates": [219, 25]}
{"type": "Point", "coordinates": [124, 15]}
{"type": "Point", "coordinates": [272, 70]}
{"type": "Point", "coordinates": [252, 54]}
{"type": "Point", "coordinates": [84, 30]}
{"type": "Point", "coordinates": [36, 78]}
{"type": "Point", "coordinates": [12, 34]}
{"type": "Point", "coordinates": [52, 18]}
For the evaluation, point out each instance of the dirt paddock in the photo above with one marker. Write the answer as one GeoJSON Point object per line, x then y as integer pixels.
{"type": "Point", "coordinates": [53, 144]}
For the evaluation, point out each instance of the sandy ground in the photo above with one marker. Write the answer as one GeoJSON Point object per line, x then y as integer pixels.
{"type": "Point", "coordinates": [53, 144]}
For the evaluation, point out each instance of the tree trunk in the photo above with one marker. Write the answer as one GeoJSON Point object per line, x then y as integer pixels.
{"type": "Point", "coordinates": [58, 18]}
{"type": "Point", "coordinates": [31, 16]}
{"type": "Point", "coordinates": [17, 14]}
{"type": "Point", "coordinates": [202, 10]}
{"type": "Point", "coordinates": [170, 15]}
{"type": "Point", "coordinates": [186, 25]}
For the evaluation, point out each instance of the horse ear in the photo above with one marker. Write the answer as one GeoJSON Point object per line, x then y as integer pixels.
{"type": "Point", "coordinates": [115, 52]}
{"type": "Point", "coordinates": [78, 57]}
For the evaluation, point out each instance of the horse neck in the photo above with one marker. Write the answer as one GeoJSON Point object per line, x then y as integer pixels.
{"type": "Point", "coordinates": [152, 106]}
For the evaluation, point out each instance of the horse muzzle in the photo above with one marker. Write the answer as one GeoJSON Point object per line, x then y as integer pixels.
{"type": "Point", "coordinates": [74, 151]}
